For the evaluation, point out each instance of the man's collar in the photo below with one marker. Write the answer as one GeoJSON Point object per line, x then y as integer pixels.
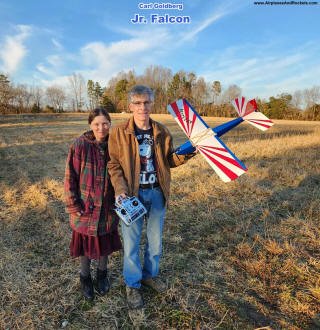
{"type": "Point", "coordinates": [130, 126]}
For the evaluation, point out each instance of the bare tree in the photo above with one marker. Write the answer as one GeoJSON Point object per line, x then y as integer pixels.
{"type": "Point", "coordinates": [36, 97]}
{"type": "Point", "coordinates": [56, 97]}
{"type": "Point", "coordinates": [78, 89]}
{"type": "Point", "coordinates": [199, 92]}
{"type": "Point", "coordinates": [311, 96]}
{"type": "Point", "coordinates": [216, 88]}
{"type": "Point", "coordinates": [232, 92]}
{"type": "Point", "coordinates": [21, 98]}
{"type": "Point", "coordinates": [158, 78]}
{"type": "Point", "coordinates": [297, 99]}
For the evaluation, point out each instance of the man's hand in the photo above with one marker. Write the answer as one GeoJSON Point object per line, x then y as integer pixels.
{"type": "Point", "coordinates": [120, 197]}
{"type": "Point", "coordinates": [191, 155]}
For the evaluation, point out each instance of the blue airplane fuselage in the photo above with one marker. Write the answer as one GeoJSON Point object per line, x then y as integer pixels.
{"type": "Point", "coordinates": [188, 148]}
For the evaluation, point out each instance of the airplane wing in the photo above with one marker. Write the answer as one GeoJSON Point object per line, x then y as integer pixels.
{"type": "Point", "coordinates": [187, 117]}
{"type": "Point", "coordinates": [220, 158]}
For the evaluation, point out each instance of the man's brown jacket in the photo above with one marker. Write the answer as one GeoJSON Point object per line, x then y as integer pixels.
{"type": "Point", "coordinates": [124, 164]}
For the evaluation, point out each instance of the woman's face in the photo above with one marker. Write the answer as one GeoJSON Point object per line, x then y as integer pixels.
{"type": "Point", "coordinates": [100, 126]}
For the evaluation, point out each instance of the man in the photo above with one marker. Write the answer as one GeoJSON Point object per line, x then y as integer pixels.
{"type": "Point", "coordinates": [141, 154]}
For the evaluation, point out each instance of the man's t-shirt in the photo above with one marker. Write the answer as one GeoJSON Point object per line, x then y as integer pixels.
{"type": "Point", "coordinates": [148, 174]}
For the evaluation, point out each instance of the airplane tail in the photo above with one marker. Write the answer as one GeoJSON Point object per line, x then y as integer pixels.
{"type": "Point", "coordinates": [248, 111]}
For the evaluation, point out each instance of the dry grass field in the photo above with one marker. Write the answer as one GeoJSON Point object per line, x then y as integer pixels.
{"type": "Point", "coordinates": [242, 255]}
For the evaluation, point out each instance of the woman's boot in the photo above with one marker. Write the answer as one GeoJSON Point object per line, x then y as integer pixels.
{"type": "Point", "coordinates": [102, 282]}
{"type": "Point", "coordinates": [87, 287]}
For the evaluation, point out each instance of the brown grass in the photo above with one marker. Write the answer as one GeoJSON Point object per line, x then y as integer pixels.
{"type": "Point", "coordinates": [242, 255]}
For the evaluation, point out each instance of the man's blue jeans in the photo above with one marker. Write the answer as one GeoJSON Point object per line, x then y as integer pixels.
{"type": "Point", "coordinates": [133, 272]}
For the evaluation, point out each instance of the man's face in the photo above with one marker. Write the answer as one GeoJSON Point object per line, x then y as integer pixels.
{"type": "Point", "coordinates": [141, 106]}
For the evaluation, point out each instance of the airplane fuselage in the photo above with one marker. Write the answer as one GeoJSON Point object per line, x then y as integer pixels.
{"type": "Point", "coordinates": [188, 147]}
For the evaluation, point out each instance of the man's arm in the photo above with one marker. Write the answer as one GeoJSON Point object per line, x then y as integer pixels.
{"type": "Point", "coordinates": [114, 167]}
{"type": "Point", "coordinates": [174, 159]}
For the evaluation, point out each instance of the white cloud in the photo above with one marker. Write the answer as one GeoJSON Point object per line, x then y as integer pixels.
{"type": "Point", "coordinates": [258, 69]}
{"type": "Point", "coordinates": [55, 64]}
{"type": "Point", "coordinates": [207, 22]}
{"type": "Point", "coordinates": [100, 61]}
{"type": "Point", "coordinates": [13, 50]}
{"type": "Point", "coordinates": [107, 54]}
{"type": "Point", "coordinates": [57, 44]}
{"type": "Point", "coordinates": [45, 70]}
{"type": "Point", "coordinates": [141, 47]}
{"type": "Point", "coordinates": [62, 81]}
{"type": "Point", "coordinates": [267, 74]}
{"type": "Point", "coordinates": [55, 60]}
{"type": "Point", "coordinates": [52, 66]}
{"type": "Point", "coordinates": [222, 10]}
{"type": "Point", "coordinates": [136, 52]}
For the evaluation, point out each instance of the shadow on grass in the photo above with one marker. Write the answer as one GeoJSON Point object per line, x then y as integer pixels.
{"type": "Point", "coordinates": [207, 288]}
{"type": "Point", "coordinates": [40, 281]}
{"type": "Point", "coordinates": [202, 246]}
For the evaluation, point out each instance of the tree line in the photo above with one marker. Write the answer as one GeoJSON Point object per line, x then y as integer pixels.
{"type": "Point", "coordinates": [209, 98]}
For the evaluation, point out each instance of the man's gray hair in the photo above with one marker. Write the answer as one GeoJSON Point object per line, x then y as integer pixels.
{"type": "Point", "coordinates": [141, 90]}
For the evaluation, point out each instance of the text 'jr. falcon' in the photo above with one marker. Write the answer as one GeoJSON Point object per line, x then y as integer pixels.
{"type": "Point", "coordinates": [206, 139]}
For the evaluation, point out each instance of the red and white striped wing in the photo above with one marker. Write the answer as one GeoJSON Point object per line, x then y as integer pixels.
{"type": "Point", "coordinates": [258, 120]}
{"type": "Point", "coordinates": [221, 159]}
{"type": "Point", "coordinates": [187, 117]}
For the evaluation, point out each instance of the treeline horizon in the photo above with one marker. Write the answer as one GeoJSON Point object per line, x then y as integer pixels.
{"type": "Point", "coordinates": [209, 98]}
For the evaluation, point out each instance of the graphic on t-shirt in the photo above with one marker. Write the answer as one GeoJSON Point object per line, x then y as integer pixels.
{"type": "Point", "coordinates": [148, 173]}
{"type": "Point", "coordinates": [145, 151]}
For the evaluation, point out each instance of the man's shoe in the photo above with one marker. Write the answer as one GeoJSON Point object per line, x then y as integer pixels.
{"type": "Point", "coordinates": [102, 282]}
{"type": "Point", "coordinates": [87, 287]}
{"type": "Point", "coordinates": [154, 283]}
{"type": "Point", "coordinates": [134, 298]}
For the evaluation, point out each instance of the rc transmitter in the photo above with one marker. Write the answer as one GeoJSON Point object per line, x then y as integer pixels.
{"type": "Point", "coordinates": [130, 209]}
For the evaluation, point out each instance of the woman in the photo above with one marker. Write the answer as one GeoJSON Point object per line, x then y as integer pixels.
{"type": "Point", "coordinates": [89, 199]}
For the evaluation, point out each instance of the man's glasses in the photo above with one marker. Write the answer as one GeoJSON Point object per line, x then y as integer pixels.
{"type": "Point", "coordinates": [146, 103]}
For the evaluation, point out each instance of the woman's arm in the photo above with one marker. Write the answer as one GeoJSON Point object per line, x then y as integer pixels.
{"type": "Point", "coordinates": [71, 182]}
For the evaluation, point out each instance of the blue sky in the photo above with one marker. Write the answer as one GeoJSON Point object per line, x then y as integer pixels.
{"type": "Point", "coordinates": [266, 50]}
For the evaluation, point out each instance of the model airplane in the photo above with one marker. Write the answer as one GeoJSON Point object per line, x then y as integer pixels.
{"type": "Point", "coordinates": [206, 140]}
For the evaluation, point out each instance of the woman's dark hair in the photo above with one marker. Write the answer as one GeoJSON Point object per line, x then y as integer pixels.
{"type": "Point", "coordinates": [98, 112]}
